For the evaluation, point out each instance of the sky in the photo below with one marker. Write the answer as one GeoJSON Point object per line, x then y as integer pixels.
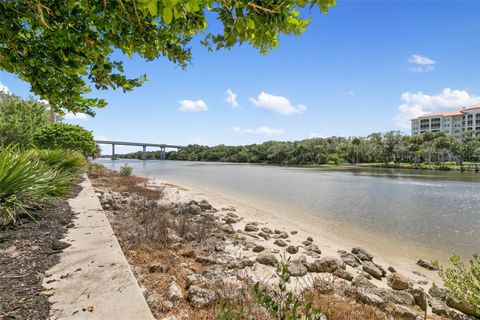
{"type": "Point", "coordinates": [367, 66]}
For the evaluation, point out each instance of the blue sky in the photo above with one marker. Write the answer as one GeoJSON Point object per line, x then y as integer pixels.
{"type": "Point", "coordinates": [367, 66]}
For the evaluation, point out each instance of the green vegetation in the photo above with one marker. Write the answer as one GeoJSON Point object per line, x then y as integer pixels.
{"type": "Point", "coordinates": [19, 119]}
{"type": "Point", "coordinates": [280, 303]}
{"type": "Point", "coordinates": [28, 180]}
{"type": "Point", "coordinates": [463, 280]}
{"type": "Point", "coordinates": [393, 149]}
{"type": "Point", "coordinates": [61, 47]}
{"type": "Point", "coordinates": [126, 170]}
{"type": "Point", "coordinates": [65, 136]}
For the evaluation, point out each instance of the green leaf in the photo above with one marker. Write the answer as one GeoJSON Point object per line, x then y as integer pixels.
{"type": "Point", "coordinates": [167, 15]}
{"type": "Point", "coordinates": [152, 7]}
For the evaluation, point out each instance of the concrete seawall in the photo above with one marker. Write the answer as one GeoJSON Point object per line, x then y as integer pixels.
{"type": "Point", "coordinates": [93, 279]}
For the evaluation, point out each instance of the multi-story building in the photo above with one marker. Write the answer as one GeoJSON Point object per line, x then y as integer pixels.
{"type": "Point", "coordinates": [452, 123]}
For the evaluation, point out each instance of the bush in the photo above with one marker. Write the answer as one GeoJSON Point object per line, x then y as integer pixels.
{"type": "Point", "coordinates": [19, 119]}
{"type": "Point", "coordinates": [126, 170]}
{"type": "Point", "coordinates": [464, 280]}
{"type": "Point", "coordinates": [65, 136]}
{"type": "Point", "coordinates": [26, 182]}
{"type": "Point", "coordinates": [70, 161]}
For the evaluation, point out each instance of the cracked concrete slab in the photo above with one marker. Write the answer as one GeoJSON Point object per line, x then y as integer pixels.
{"type": "Point", "coordinates": [93, 279]}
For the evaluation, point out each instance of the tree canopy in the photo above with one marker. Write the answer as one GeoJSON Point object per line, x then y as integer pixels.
{"type": "Point", "coordinates": [19, 119]}
{"type": "Point", "coordinates": [63, 47]}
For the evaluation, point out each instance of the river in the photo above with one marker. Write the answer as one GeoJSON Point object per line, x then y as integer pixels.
{"type": "Point", "coordinates": [433, 212]}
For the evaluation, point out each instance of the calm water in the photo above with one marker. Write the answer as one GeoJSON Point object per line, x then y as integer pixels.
{"type": "Point", "coordinates": [433, 211]}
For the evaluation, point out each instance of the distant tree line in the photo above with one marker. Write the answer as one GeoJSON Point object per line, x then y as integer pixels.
{"type": "Point", "coordinates": [429, 147]}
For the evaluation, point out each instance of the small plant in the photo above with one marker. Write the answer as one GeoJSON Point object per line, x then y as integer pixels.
{"type": "Point", "coordinates": [126, 170]}
{"type": "Point", "coordinates": [283, 304]}
{"type": "Point", "coordinates": [464, 280]}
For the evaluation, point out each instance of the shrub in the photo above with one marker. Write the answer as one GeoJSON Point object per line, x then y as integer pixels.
{"type": "Point", "coordinates": [25, 182]}
{"type": "Point", "coordinates": [126, 170]}
{"type": "Point", "coordinates": [464, 280]}
{"type": "Point", "coordinates": [65, 136]}
{"type": "Point", "coordinates": [70, 161]}
{"type": "Point", "coordinates": [19, 119]}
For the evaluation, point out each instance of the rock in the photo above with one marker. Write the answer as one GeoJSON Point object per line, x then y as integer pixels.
{"type": "Point", "coordinates": [250, 245]}
{"type": "Point", "coordinates": [283, 235]}
{"type": "Point", "coordinates": [230, 220]}
{"type": "Point", "coordinates": [155, 302]}
{"type": "Point", "coordinates": [419, 274]}
{"type": "Point", "coordinates": [293, 232]}
{"type": "Point", "coordinates": [313, 248]}
{"type": "Point", "coordinates": [438, 293]}
{"type": "Point", "coordinates": [268, 259]}
{"type": "Point", "coordinates": [258, 249]}
{"type": "Point", "coordinates": [370, 298]}
{"type": "Point", "coordinates": [264, 235]}
{"type": "Point", "coordinates": [464, 307]}
{"type": "Point", "coordinates": [328, 264]}
{"type": "Point", "coordinates": [208, 260]}
{"type": "Point", "coordinates": [58, 245]}
{"type": "Point", "coordinates": [292, 249]}
{"type": "Point", "coordinates": [350, 259]}
{"type": "Point", "coordinates": [280, 243]}
{"type": "Point", "coordinates": [395, 296]}
{"type": "Point", "coordinates": [174, 291]}
{"type": "Point", "coordinates": [420, 297]}
{"type": "Point", "coordinates": [251, 228]}
{"type": "Point", "coordinates": [427, 265]}
{"type": "Point", "coordinates": [189, 237]}
{"type": "Point", "coordinates": [205, 205]}
{"type": "Point", "coordinates": [391, 269]}
{"type": "Point", "coordinates": [310, 239]}
{"type": "Point", "coordinates": [372, 269]}
{"type": "Point", "coordinates": [200, 297]}
{"type": "Point", "coordinates": [158, 267]}
{"type": "Point", "coordinates": [398, 281]}
{"type": "Point", "coordinates": [343, 274]}
{"type": "Point", "coordinates": [297, 269]}
{"type": "Point", "coordinates": [244, 263]}
{"type": "Point", "coordinates": [267, 230]}
{"type": "Point", "coordinates": [438, 307]}
{"type": "Point", "coordinates": [227, 228]}
{"type": "Point", "coordinates": [306, 242]}
{"type": "Point", "coordinates": [362, 254]}
{"type": "Point", "coordinates": [401, 312]}
{"type": "Point", "coordinates": [192, 208]}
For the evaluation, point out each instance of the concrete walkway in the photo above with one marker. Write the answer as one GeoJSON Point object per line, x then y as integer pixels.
{"type": "Point", "coordinates": [93, 279]}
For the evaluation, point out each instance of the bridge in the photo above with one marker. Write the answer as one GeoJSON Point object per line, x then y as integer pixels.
{"type": "Point", "coordinates": [140, 144]}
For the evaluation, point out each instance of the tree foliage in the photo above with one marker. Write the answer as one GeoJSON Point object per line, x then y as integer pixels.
{"type": "Point", "coordinates": [65, 136]}
{"type": "Point", "coordinates": [430, 147]}
{"type": "Point", "coordinates": [19, 119]}
{"type": "Point", "coordinates": [61, 47]}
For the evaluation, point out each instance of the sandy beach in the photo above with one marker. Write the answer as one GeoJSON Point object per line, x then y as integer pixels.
{"type": "Point", "coordinates": [387, 252]}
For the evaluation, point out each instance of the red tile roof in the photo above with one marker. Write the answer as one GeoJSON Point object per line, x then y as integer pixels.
{"type": "Point", "coordinates": [458, 112]}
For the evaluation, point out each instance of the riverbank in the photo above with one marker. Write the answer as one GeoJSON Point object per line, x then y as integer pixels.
{"type": "Point", "coordinates": [191, 247]}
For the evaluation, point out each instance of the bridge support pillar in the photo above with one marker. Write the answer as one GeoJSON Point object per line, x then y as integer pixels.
{"type": "Point", "coordinates": [162, 153]}
{"type": "Point", "coordinates": [113, 151]}
{"type": "Point", "coordinates": [144, 156]}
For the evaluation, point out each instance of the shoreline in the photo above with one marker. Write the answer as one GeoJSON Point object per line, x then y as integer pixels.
{"type": "Point", "coordinates": [329, 243]}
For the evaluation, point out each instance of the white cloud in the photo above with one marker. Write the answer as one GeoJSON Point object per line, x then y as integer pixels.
{"type": "Point", "coordinates": [349, 93]}
{"type": "Point", "coordinates": [231, 98]}
{"type": "Point", "coordinates": [419, 103]}
{"type": "Point", "coordinates": [277, 104]}
{"type": "Point", "coordinates": [195, 140]}
{"type": "Point", "coordinates": [75, 116]}
{"type": "Point", "coordinates": [4, 89]}
{"type": "Point", "coordinates": [316, 135]}
{"type": "Point", "coordinates": [263, 131]}
{"type": "Point", "coordinates": [421, 63]}
{"type": "Point", "coordinates": [192, 106]}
